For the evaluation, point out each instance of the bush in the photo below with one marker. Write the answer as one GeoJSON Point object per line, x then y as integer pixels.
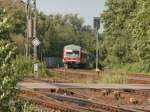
{"type": "Point", "coordinates": [8, 75]}
{"type": "Point", "coordinates": [23, 106]}
{"type": "Point", "coordinates": [23, 65]}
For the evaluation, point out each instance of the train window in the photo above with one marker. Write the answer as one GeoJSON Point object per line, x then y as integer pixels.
{"type": "Point", "coordinates": [76, 52]}
{"type": "Point", "coordinates": [69, 53]}
{"type": "Point", "coordinates": [72, 54]}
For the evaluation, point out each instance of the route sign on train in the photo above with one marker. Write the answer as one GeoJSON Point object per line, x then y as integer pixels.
{"type": "Point", "coordinates": [36, 42]}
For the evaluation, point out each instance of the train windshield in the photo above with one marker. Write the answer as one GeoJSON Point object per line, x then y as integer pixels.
{"type": "Point", "coordinates": [72, 54]}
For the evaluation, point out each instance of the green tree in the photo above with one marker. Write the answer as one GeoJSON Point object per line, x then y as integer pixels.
{"type": "Point", "coordinates": [118, 37]}
{"type": "Point", "coordinates": [8, 74]}
{"type": "Point", "coordinates": [140, 25]}
{"type": "Point", "coordinates": [56, 31]}
{"type": "Point", "coordinates": [126, 24]}
{"type": "Point", "coordinates": [8, 71]}
{"type": "Point", "coordinates": [14, 23]}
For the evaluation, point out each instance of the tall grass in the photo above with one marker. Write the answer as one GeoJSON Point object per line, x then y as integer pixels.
{"type": "Point", "coordinates": [136, 67]}
{"type": "Point", "coordinates": [115, 78]}
{"type": "Point", "coordinates": [42, 70]}
{"type": "Point", "coordinates": [24, 66]}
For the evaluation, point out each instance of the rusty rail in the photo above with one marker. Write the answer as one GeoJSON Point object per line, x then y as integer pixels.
{"type": "Point", "coordinates": [42, 100]}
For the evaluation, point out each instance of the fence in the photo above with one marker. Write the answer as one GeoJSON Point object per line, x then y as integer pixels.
{"type": "Point", "coordinates": [53, 62]}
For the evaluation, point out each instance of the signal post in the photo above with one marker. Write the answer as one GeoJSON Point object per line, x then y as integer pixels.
{"type": "Point", "coordinates": [96, 25]}
{"type": "Point", "coordinates": [32, 33]}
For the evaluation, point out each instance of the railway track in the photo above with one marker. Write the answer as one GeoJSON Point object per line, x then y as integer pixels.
{"type": "Point", "coordinates": [97, 94]}
{"type": "Point", "coordinates": [78, 97]}
{"type": "Point", "coordinates": [98, 97]}
{"type": "Point", "coordinates": [74, 104]}
{"type": "Point", "coordinates": [45, 101]}
{"type": "Point", "coordinates": [91, 104]}
{"type": "Point", "coordinates": [71, 100]}
{"type": "Point", "coordinates": [50, 102]}
{"type": "Point", "coordinates": [64, 96]}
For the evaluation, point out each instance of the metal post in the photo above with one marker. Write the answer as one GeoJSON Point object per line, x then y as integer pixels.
{"type": "Point", "coordinates": [97, 68]}
{"type": "Point", "coordinates": [35, 54]}
{"type": "Point", "coordinates": [96, 24]}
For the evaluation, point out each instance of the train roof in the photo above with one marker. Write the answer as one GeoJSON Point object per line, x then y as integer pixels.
{"type": "Point", "coordinates": [72, 46]}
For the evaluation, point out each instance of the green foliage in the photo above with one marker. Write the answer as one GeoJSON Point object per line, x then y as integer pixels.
{"type": "Point", "coordinates": [8, 71]}
{"type": "Point", "coordinates": [126, 33]}
{"type": "Point", "coordinates": [145, 55]}
{"type": "Point", "coordinates": [12, 22]}
{"type": "Point", "coordinates": [125, 40]}
{"type": "Point", "coordinates": [141, 32]}
{"type": "Point", "coordinates": [8, 75]}
{"type": "Point", "coordinates": [4, 23]}
{"type": "Point", "coordinates": [23, 106]}
{"type": "Point", "coordinates": [56, 31]}
{"type": "Point", "coordinates": [134, 67]}
{"type": "Point", "coordinates": [24, 66]}
{"type": "Point", "coordinates": [19, 41]}
{"type": "Point", "coordinates": [117, 36]}
{"type": "Point", "coordinates": [12, 28]}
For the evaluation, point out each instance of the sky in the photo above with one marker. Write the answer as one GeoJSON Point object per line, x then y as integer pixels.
{"type": "Point", "coordinates": [84, 8]}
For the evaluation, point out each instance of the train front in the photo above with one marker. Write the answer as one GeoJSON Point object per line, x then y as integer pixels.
{"type": "Point", "coordinates": [71, 56]}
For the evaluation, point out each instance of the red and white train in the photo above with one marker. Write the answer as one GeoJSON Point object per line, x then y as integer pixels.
{"type": "Point", "coordinates": [74, 56]}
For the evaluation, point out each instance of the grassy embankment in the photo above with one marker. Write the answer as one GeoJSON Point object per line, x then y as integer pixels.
{"type": "Point", "coordinates": [104, 77]}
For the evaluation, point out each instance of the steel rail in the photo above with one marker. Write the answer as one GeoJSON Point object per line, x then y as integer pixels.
{"type": "Point", "coordinates": [92, 104]}
{"type": "Point", "coordinates": [48, 102]}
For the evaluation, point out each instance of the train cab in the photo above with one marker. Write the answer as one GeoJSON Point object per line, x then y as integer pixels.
{"type": "Point", "coordinates": [73, 56]}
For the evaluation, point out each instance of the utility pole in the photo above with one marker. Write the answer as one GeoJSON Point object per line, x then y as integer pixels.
{"type": "Point", "coordinates": [29, 28]}
{"type": "Point", "coordinates": [35, 40]}
{"type": "Point", "coordinates": [34, 19]}
{"type": "Point", "coordinates": [96, 28]}
{"type": "Point", "coordinates": [26, 39]}
{"type": "Point", "coordinates": [32, 33]}
{"type": "Point", "coordinates": [34, 30]}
